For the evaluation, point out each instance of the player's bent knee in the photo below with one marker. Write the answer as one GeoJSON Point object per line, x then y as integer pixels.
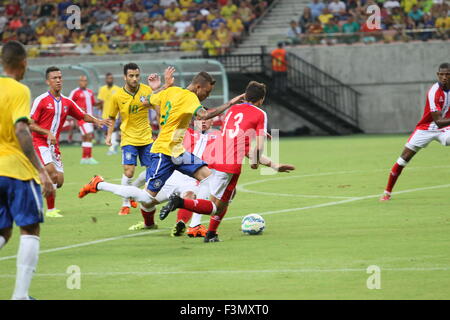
{"type": "Point", "coordinates": [32, 229]}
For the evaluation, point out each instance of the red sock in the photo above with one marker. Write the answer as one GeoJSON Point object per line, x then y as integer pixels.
{"type": "Point", "coordinates": [85, 152]}
{"type": "Point", "coordinates": [393, 176]}
{"type": "Point", "coordinates": [89, 152]}
{"type": "Point", "coordinates": [51, 202]}
{"type": "Point", "coordinates": [215, 220]}
{"type": "Point", "coordinates": [200, 206]}
{"type": "Point", "coordinates": [184, 215]}
{"type": "Point", "coordinates": [148, 217]}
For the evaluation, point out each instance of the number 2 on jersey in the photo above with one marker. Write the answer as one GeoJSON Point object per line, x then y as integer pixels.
{"type": "Point", "coordinates": [238, 119]}
{"type": "Point", "coordinates": [166, 115]}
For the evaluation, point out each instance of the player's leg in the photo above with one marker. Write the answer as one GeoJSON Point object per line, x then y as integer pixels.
{"type": "Point", "coordinates": [58, 180]}
{"type": "Point", "coordinates": [129, 162]}
{"type": "Point", "coordinates": [87, 145]}
{"type": "Point", "coordinates": [26, 209]}
{"type": "Point", "coordinates": [84, 144]}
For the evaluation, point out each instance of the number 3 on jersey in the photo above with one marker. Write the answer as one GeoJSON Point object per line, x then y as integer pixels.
{"type": "Point", "coordinates": [237, 121]}
{"type": "Point", "coordinates": [166, 114]}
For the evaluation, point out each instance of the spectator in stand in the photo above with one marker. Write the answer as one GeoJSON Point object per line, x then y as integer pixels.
{"type": "Point", "coordinates": [316, 7]}
{"type": "Point", "coordinates": [26, 29]}
{"type": "Point", "coordinates": [47, 39]}
{"type": "Point", "coordinates": [212, 46]}
{"type": "Point", "coordinates": [100, 48]}
{"type": "Point", "coordinates": [407, 5]}
{"type": "Point", "coordinates": [204, 33]}
{"type": "Point", "coordinates": [186, 4]}
{"type": "Point", "coordinates": [337, 8]}
{"type": "Point", "coordinates": [168, 33]}
{"type": "Point", "coordinates": [198, 22]}
{"type": "Point", "coordinates": [102, 15]}
{"type": "Point", "coordinates": [46, 9]}
{"type": "Point", "coordinates": [350, 28]}
{"type": "Point", "coordinates": [416, 15]}
{"type": "Point", "coordinates": [225, 38]}
{"type": "Point", "coordinates": [149, 4]}
{"type": "Point", "coordinates": [443, 25]}
{"type": "Point", "coordinates": [159, 23]}
{"type": "Point", "coordinates": [156, 11]}
{"type": "Point", "coordinates": [325, 16]}
{"type": "Point", "coordinates": [314, 31]}
{"type": "Point", "coordinates": [260, 8]}
{"type": "Point", "coordinates": [246, 14]}
{"type": "Point", "coordinates": [188, 44]}
{"type": "Point", "coordinates": [15, 23]}
{"type": "Point", "coordinates": [279, 69]}
{"type": "Point", "coordinates": [390, 4]}
{"type": "Point", "coordinates": [30, 8]}
{"type": "Point", "coordinates": [173, 13]}
{"type": "Point", "coordinates": [353, 7]}
{"type": "Point", "coordinates": [92, 27]}
{"type": "Point", "coordinates": [181, 25]}
{"type": "Point", "coordinates": [215, 23]}
{"type": "Point", "coordinates": [3, 24]}
{"type": "Point", "coordinates": [294, 33]}
{"type": "Point", "coordinates": [109, 25]}
{"type": "Point", "coordinates": [98, 37]}
{"type": "Point", "coordinates": [167, 3]}
{"type": "Point", "coordinates": [84, 47]}
{"type": "Point", "coordinates": [306, 19]}
{"type": "Point", "coordinates": [330, 29]}
{"type": "Point", "coordinates": [12, 8]}
{"type": "Point", "coordinates": [428, 23]}
{"type": "Point", "coordinates": [228, 10]}
{"type": "Point", "coordinates": [152, 34]}
{"type": "Point", "coordinates": [236, 28]}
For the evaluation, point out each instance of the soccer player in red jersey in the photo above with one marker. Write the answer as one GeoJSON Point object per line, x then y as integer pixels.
{"type": "Point", "coordinates": [243, 123]}
{"type": "Point", "coordinates": [434, 125]}
{"type": "Point", "coordinates": [49, 112]}
{"type": "Point", "coordinates": [85, 99]}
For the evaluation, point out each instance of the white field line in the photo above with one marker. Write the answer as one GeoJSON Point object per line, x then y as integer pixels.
{"type": "Point", "coordinates": [187, 272]}
{"type": "Point", "coordinates": [327, 204]}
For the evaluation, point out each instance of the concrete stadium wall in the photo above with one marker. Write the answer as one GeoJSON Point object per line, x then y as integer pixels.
{"type": "Point", "coordinates": [393, 79]}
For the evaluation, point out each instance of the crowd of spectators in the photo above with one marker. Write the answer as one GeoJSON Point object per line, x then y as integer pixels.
{"type": "Point", "coordinates": [122, 26]}
{"type": "Point", "coordinates": [350, 21]}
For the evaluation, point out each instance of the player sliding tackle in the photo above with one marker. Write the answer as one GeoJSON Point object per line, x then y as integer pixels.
{"type": "Point", "coordinates": [434, 125]}
{"type": "Point", "coordinates": [178, 106]}
{"type": "Point", "coordinates": [243, 123]}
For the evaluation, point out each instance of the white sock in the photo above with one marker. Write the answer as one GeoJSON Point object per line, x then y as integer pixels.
{"type": "Point", "coordinates": [114, 140]}
{"type": "Point", "coordinates": [2, 241]}
{"type": "Point", "coordinates": [126, 182]}
{"type": "Point", "coordinates": [140, 180]}
{"type": "Point", "coordinates": [137, 194]}
{"type": "Point", "coordinates": [27, 259]}
{"type": "Point", "coordinates": [196, 220]}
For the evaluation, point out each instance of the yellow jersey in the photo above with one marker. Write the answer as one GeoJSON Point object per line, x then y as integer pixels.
{"type": "Point", "coordinates": [177, 106]}
{"type": "Point", "coordinates": [105, 94]}
{"type": "Point", "coordinates": [15, 101]}
{"type": "Point", "coordinates": [135, 127]}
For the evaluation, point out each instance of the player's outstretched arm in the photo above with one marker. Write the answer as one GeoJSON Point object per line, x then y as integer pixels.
{"type": "Point", "coordinates": [36, 128]}
{"type": "Point", "coordinates": [202, 114]}
{"type": "Point", "coordinates": [98, 122]}
{"type": "Point", "coordinates": [279, 167]}
{"type": "Point", "coordinates": [26, 143]}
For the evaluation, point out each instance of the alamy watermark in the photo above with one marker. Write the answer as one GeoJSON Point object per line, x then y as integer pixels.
{"type": "Point", "coordinates": [73, 21]}
{"type": "Point", "coordinates": [374, 280]}
{"type": "Point", "coordinates": [74, 279]}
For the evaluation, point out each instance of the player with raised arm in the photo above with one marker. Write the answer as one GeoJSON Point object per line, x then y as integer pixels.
{"type": "Point", "coordinates": [20, 169]}
{"type": "Point", "coordinates": [49, 112]}
{"type": "Point", "coordinates": [130, 102]}
{"type": "Point", "coordinates": [243, 123]}
{"type": "Point", "coordinates": [84, 98]}
{"type": "Point", "coordinates": [434, 125]}
{"type": "Point", "coordinates": [105, 94]}
{"type": "Point", "coordinates": [178, 106]}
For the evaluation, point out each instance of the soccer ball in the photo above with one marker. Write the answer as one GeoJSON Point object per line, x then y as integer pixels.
{"type": "Point", "coordinates": [253, 224]}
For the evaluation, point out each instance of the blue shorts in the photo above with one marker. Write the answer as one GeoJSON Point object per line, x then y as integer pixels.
{"type": "Point", "coordinates": [163, 166]}
{"type": "Point", "coordinates": [130, 154]}
{"type": "Point", "coordinates": [20, 201]}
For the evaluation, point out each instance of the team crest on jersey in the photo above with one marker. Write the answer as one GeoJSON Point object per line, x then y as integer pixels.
{"type": "Point", "coordinates": [143, 98]}
{"type": "Point", "coordinates": [50, 106]}
{"type": "Point", "coordinates": [128, 155]}
{"type": "Point", "coordinates": [157, 183]}
{"type": "Point", "coordinates": [65, 108]}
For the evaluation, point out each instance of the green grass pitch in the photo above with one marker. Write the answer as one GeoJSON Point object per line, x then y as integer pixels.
{"type": "Point", "coordinates": [324, 228]}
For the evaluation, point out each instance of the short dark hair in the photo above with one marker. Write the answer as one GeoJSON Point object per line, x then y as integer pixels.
{"type": "Point", "coordinates": [444, 65]}
{"type": "Point", "coordinates": [203, 78]}
{"type": "Point", "coordinates": [255, 91]}
{"type": "Point", "coordinates": [13, 53]}
{"type": "Point", "coordinates": [130, 66]}
{"type": "Point", "coordinates": [51, 69]}
{"type": "Point", "coordinates": [108, 74]}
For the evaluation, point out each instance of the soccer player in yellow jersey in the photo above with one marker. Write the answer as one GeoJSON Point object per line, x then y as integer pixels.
{"type": "Point", "coordinates": [21, 170]}
{"type": "Point", "coordinates": [105, 94]}
{"type": "Point", "coordinates": [177, 107]}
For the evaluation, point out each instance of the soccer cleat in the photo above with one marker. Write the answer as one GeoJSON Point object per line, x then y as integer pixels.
{"type": "Point", "coordinates": [211, 236]}
{"type": "Point", "coordinates": [133, 203]}
{"type": "Point", "coordinates": [110, 153]}
{"type": "Point", "coordinates": [197, 231]}
{"type": "Point", "coordinates": [84, 161]}
{"type": "Point", "coordinates": [178, 229]}
{"type": "Point", "coordinates": [141, 226]}
{"type": "Point", "coordinates": [174, 202]}
{"type": "Point", "coordinates": [92, 161]}
{"type": "Point", "coordinates": [124, 211]}
{"type": "Point", "coordinates": [385, 197]}
{"type": "Point", "coordinates": [91, 187]}
{"type": "Point", "coordinates": [53, 213]}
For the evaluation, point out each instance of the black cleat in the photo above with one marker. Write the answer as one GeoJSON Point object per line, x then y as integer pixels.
{"type": "Point", "coordinates": [173, 203]}
{"type": "Point", "coordinates": [178, 229]}
{"type": "Point", "coordinates": [211, 237]}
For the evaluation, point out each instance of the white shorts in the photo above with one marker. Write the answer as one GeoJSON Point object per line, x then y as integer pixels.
{"type": "Point", "coordinates": [177, 183]}
{"type": "Point", "coordinates": [421, 138]}
{"type": "Point", "coordinates": [50, 155]}
{"type": "Point", "coordinates": [223, 185]}
{"type": "Point", "coordinates": [85, 127]}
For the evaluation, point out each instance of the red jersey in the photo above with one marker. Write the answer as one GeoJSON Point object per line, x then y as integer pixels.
{"type": "Point", "coordinates": [437, 100]}
{"type": "Point", "coordinates": [243, 122]}
{"type": "Point", "coordinates": [200, 144]}
{"type": "Point", "coordinates": [84, 99]}
{"type": "Point", "coordinates": [50, 113]}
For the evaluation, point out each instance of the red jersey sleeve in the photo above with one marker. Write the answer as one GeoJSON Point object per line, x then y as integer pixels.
{"type": "Point", "coordinates": [75, 111]}
{"type": "Point", "coordinates": [261, 125]}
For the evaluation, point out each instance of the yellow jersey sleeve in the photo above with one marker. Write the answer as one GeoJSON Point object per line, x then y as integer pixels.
{"type": "Point", "coordinates": [21, 103]}
{"type": "Point", "coordinates": [155, 98]}
{"type": "Point", "coordinates": [114, 107]}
